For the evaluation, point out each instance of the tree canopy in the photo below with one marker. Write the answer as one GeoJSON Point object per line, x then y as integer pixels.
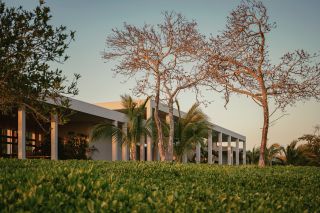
{"type": "Point", "coordinates": [158, 57]}
{"type": "Point", "coordinates": [29, 46]}
{"type": "Point", "coordinates": [238, 62]}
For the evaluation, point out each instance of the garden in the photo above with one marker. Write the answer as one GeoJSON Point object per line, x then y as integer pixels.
{"type": "Point", "coordinates": [93, 186]}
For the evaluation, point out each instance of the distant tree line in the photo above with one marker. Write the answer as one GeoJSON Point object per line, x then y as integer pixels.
{"type": "Point", "coordinates": [305, 151]}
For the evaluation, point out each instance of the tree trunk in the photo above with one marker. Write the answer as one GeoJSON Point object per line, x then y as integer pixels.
{"type": "Point", "coordinates": [264, 136]}
{"type": "Point", "coordinates": [133, 151]}
{"type": "Point", "coordinates": [158, 122]}
{"type": "Point", "coordinates": [155, 151]}
{"type": "Point", "coordinates": [142, 149]}
{"type": "Point", "coordinates": [160, 135]}
{"type": "Point", "coordinates": [169, 156]}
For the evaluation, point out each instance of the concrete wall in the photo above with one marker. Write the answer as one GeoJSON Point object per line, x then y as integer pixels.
{"type": "Point", "coordinates": [104, 149]}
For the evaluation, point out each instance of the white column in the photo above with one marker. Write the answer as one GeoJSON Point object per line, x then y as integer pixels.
{"type": "Point", "coordinates": [229, 150]}
{"type": "Point", "coordinates": [33, 138]}
{"type": "Point", "coordinates": [149, 141]}
{"type": "Point", "coordinates": [220, 147]}
{"type": "Point", "coordinates": [115, 144]}
{"type": "Point", "coordinates": [232, 150]}
{"type": "Point", "coordinates": [22, 133]}
{"type": "Point", "coordinates": [9, 140]}
{"type": "Point", "coordinates": [210, 146]}
{"type": "Point", "coordinates": [244, 152]}
{"type": "Point", "coordinates": [54, 137]}
{"type": "Point", "coordinates": [185, 157]}
{"type": "Point", "coordinates": [198, 152]}
{"type": "Point", "coordinates": [124, 145]}
{"type": "Point", "coordinates": [142, 150]}
{"type": "Point", "coordinates": [237, 152]}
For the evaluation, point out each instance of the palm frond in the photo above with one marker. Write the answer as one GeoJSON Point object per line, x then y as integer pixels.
{"type": "Point", "coordinates": [104, 130]}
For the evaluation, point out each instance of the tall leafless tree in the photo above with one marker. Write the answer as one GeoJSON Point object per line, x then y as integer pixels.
{"type": "Point", "coordinates": [162, 59]}
{"type": "Point", "coordinates": [238, 62]}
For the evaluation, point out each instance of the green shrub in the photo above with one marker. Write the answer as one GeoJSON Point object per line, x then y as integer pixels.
{"type": "Point", "coordinates": [74, 146]}
{"type": "Point", "coordinates": [93, 186]}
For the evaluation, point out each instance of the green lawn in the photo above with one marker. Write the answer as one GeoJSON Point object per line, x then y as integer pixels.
{"type": "Point", "coordinates": [72, 186]}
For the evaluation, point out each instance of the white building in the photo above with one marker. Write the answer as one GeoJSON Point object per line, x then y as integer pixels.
{"type": "Point", "coordinates": [20, 135]}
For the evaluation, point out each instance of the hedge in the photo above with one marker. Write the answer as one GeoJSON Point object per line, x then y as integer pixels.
{"type": "Point", "coordinates": [99, 186]}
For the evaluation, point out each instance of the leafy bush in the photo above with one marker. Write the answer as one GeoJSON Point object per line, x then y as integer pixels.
{"type": "Point", "coordinates": [91, 186]}
{"type": "Point", "coordinates": [74, 146]}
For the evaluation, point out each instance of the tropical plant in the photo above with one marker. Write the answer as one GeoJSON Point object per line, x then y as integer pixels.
{"type": "Point", "coordinates": [297, 155]}
{"type": "Point", "coordinates": [136, 122]}
{"type": "Point", "coordinates": [136, 126]}
{"type": "Point", "coordinates": [273, 153]}
{"type": "Point", "coordinates": [253, 156]}
{"type": "Point", "coordinates": [312, 148]}
{"type": "Point", "coordinates": [190, 130]}
{"type": "Point", "coordinates": [74, 146]}
{"type": "Point", "coordinates": [290, 154]}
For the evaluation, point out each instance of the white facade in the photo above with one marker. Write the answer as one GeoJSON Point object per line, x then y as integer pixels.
{"type": "Point", "coordinates": [87, 115]}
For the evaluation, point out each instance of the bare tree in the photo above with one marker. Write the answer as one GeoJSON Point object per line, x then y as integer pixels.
{"type": "Point", "coordinates": [162, 59]}
{"type": "Point", "coordinates": [238, 62]}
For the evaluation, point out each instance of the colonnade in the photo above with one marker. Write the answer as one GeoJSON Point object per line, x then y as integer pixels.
{"type": "Point", "coordinates": [220, 151]}
{"type": "Point", "coordinates": [124, 148]}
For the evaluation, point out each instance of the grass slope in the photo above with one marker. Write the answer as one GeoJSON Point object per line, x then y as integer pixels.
{"type": "Point", "coordinates": [93, 186]}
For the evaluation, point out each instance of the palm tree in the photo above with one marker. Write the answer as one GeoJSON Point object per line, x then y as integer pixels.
{"type": "Point", "coordinates": [190, 130]}
{"type": "Point", "coordinates": [136, 127]}
{"type": "Point", "coordinates": [298, 155]}
{"type": "Point", "coordinates": [290, 153]}
{"type": "Point", "coordinates": [273, 153]}
{"type": "Point", "coordinates": [136, 123]}
{"type": "Point", "coordinates": [253, 156]}
{"type": "Point", "coordinates": [312, 147]}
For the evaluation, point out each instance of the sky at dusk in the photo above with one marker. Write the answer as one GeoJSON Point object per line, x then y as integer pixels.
{"type": "Point", "coordinates": [297, 27]}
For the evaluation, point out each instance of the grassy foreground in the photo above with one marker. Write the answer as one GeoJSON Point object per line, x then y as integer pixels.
{"type": "Point", "coordinates": [91, 186]}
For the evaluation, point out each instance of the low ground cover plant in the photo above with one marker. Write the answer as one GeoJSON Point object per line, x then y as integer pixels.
{"type": "Point", "coordinates": [93, 186]}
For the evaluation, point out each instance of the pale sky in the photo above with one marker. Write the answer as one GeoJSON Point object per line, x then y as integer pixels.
{"type": "Point", "coordinates": [297, 27]}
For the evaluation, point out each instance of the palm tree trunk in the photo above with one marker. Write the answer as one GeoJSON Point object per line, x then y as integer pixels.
{"type": "Point", "coordinates": [133, 151]}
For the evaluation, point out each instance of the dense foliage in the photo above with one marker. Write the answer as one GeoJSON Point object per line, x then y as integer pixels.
{"type": "Point", "coordinates": [29, 45]}
{"type": "Point", "coordinates": [89, 186]}
{"type": "Point", "coordinates": [74, 146]}
{"type": "Point", "coordinates": [190, 130]}
{"type": "Point", "coordinates": [302, 152]}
